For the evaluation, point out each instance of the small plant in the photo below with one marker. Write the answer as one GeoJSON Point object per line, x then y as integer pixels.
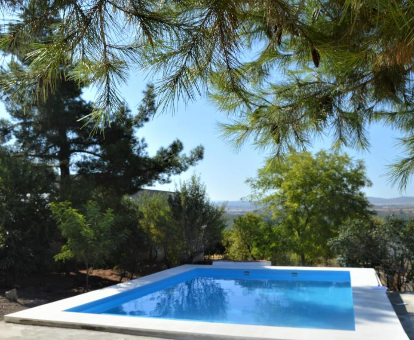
{"type": "Point", "coordinates": [88, 235]}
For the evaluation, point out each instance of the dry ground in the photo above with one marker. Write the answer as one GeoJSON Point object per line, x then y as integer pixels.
{"type": "Point", "coordinates": [41, 288]}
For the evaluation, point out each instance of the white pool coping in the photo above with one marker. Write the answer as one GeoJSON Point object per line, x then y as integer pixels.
{"type": "Point", "coordinates": [374, 316]}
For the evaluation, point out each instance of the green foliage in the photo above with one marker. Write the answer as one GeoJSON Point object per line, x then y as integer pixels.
{"type": "Point", "coordinates": [88, 38]}
{"type": "Point", "coordinates": [116, 161]}
{"type": "Point", "coordinates": [317, 71]}
{"type": "Point", "coordinates": [157, 222]}
{"type": "Point", "coordinates": [310, 197]}
{"type": "Point", "coordinates": [88, 234]}
{"type": "Point", "coordinates": [47, 128]}
{"type": "Point", "coordinates": [253, 238]}
{"type": "Point", "coordinates": [131, 251]}
{"type": "Point", "coordinates": [200, 223]}
{"type": "Point", "coordinates": [176, 228]}
{"type": "Point", "coordinates": [386, 245]}
{"type": "Point", "coordinates": [291, 70]}
{"type": "Point", "coordinates": [26, 227]}
{"type": "Point", "coordinates": [51, 130]}
{"type": "Point", "coordinates": [360, 243]}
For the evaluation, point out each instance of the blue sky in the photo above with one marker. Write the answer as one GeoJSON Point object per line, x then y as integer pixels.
{"type": "Point", "coordinates": [224, 170]}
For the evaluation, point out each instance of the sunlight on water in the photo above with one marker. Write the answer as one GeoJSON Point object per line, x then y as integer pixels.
{"type": "Point", "coordinates": [305, 304]}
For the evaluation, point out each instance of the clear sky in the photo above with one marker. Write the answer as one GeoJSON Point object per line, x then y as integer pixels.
{"type": "Point", "coordinates": [224, 170]}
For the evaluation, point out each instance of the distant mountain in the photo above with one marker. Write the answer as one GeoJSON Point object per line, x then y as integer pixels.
{"type": "Point", "coordinates": [238, 206]}
{"type": "Point", "coordinates": [242, 206]}
{"type": "Point", "coordinates": [392, 201]}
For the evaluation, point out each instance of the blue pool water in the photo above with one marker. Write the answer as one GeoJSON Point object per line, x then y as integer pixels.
{"type": "Point", "coordinates": [305, 299]}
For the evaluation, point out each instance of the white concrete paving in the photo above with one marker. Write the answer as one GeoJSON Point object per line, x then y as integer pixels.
{"type": "Point", "coordinates": [403, 304]}
{"type": "Point", "coordinates": [10, 331]}
{"type": "Point", "coordinates": [374, 316]}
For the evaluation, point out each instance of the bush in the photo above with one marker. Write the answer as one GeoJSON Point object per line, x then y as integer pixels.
{"type": "Point", "coordinates": [88, 234]}
{"type": "Point", "coordinates": [199, 223]}
{"type": "Point", "coordinates": [253, 238]}
{"type": "Point", "coordinates": [386, 245]}
{"type": "Point", "coordinates": [26, 226]}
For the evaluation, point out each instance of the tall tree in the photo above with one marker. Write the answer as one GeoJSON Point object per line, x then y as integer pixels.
{"type": "Point", "coordinates": [49, 129]}
{"type": "Point", "coordinates": [311, 197]}
{"type": "Point", "coordinates": [162, 231]}
{"type": "Point", "coordinates": [26, 226]}
{"type": "Point", "coordinates": [199, 222]}
{"type": "Point", "coordinates": [51, 132]}
{"type": "Point", "coordinates": [311, 66]}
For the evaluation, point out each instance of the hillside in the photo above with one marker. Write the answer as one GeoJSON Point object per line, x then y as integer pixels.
{"type": "Point", "coordinates": [392, 201]}
{"type": "Point", "coordinates": [238, 206]}
{"type": "Point", "coordinates": [400, 206]}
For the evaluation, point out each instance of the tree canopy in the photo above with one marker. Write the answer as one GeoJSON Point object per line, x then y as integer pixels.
{"type": "Point", "coordinates": [26, 226]}
{"type": "Point", "coordinates": [50, 132]}
{"type": "Point", "coordinates": [88, 235]}
{"type": "Point", "coordinates": [386, 245]}
{"type": "Point", "coordinates": [291, 69]}
{"type": "Point", "coordinates": [253, 238]}
{"type": "Point", "coordinates": [199, 223]}
{"type": "Point", "coordinates": [310, 197]}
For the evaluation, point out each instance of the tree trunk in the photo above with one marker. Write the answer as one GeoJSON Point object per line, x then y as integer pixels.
{"type": "Point", "coordinates": [302, 260]}
{"type": "Point", "coordinates": [64, 160]}
{"type": "Point", "coordinates": [166, 260]}
{"type": "Point", "coordinates": [87, 280]}
{"type": "Point", "coordinates": [121, 277]}
{"type": "Point", "coordinates": [87, 275]}
{"type": "Point", "coordinates": [64, 166]}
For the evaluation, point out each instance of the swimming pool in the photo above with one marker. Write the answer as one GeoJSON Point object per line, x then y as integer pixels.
{"type": "Point", "coordinates": [285, 298]}
{"type": "Point", "coordinates": [249, 303]}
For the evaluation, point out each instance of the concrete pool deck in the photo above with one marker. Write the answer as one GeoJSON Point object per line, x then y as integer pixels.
{"type": "Point", "coordinates": [403, 304]}
{"type": "Point", "coordinates": [374, 316]}
{"type": "Point", "coordinates": [9, 331]}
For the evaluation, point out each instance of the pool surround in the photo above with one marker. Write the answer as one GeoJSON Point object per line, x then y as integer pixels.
{"type": "Point", "coordinates": [374, 315]}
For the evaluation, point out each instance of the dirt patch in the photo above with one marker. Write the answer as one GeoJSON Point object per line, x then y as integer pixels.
{"type": "Point", "coordinates": [39, 288]}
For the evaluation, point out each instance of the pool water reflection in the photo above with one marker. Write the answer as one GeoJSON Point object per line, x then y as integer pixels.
{"type": "Point", "coordinates": [267, 302]}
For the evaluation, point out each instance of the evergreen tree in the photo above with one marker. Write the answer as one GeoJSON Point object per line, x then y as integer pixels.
{"type": "Point", "coordinates": [50, 132]}
{"type": "Point", "coordinates": [291, 70]}
{"type": "Point", "coordinates": [26, 226]}
{"type": "Point", "coordinates": [198, 222]}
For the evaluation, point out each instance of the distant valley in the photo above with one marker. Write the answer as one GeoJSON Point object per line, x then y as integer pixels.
{"type": "Point", "coordinates": [400, 206]}
{"type": "Point", "coordinates": [392, 201]}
